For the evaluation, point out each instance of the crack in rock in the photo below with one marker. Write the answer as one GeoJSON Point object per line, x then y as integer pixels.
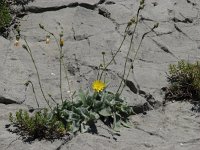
{"type": "Point", "coordinates": [179, 30]}
{"type": "Point", "coordinates": [164, 48]}
{"type": "Point", "coordinates": [110, 3]}
{"type": "Point", "coordinates": [151, 102]}
{"type": "Point", "coordinates": [164, 33]}
{"type": "Point", "coordinates": [145, 19]}
{"type": "Point", "coordinates": [105, 13]}
{"type": "Point", "coordinates": [147, 61]}
{"type": "Point", "coordinates": [88, 6]}
{"type": "Point", "coordinates": [101, 1]}
{"type": "Point", "coordinates": [80, 37]}
{"type": "Point", "coordinates": [8, 101]}
{"type": "Point", "coordinates": [192, 141]}
{"type": "Point", "coordinates": [34, 9]}
{"type": "Point", "coordinates": [101, 10]}
{"type": "Point", "coordinates": [149, 132]}
{"type": "Point", "coordinates": [186, 20]}
{"type": "Point", "coordinates": [189, 2]}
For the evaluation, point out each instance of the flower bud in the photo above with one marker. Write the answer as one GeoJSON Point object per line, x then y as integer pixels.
{"type": "Point", "coordinates": [129, 23]}
{"type": "Point", "coordinates": [25, 47]}
{"type": "Point", "coordinates": [27, 83]}
{"type": "Point", "coordinates": [141, 2]}
{"type": "Point", "coordinates": [17, 37]}
{"type": "Point", "coordinates": [133, 20]}
{"type": "Point", "coordinates": [41, 26]}
{"type": "Point", "coordinates": [61, 34]}
{"type": "Point", "coordinates": [141, 6]}
{"type": "Point", "coordinates": [156, 25]}
{"type": "Point", "coordinates": [61, 42]}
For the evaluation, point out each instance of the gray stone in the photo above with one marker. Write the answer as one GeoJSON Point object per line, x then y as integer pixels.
{"type": "Point", "coordinates": [91, 27]}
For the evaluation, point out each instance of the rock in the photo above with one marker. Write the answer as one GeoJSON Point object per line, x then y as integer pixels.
{"type": "Point", "coordinates": [12, 73]}
{"type": "Point", "coordinates": [91, 27]}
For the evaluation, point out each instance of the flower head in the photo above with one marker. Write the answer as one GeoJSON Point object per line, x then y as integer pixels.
{"type": "Point", "coordinates": [98, 86]}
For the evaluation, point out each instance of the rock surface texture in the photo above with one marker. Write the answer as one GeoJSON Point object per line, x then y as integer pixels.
{"type": "Point", "coordinates": [90, 28]}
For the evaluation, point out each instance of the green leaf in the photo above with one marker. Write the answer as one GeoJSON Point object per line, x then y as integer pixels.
{"type": "Point", "coordinates": [106, 112]}
{"type": "Point", "coordinates": [75, 127]}
{"type": "Point", "coordinates": [94, 116]}
{"type": "Point", "coordinates": [125, 124]}
{"type": "Point", "coordinates": [85, 113]}
{"type": "Point", "coordinates": [84, 128]}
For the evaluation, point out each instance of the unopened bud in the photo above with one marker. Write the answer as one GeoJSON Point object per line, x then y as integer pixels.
{"type": "Point", "coordinates": [156, 25]}
{"type": "Point", "coordinates": [61, 34]}
{"type": "Point", "coordinates": [17, 37]}
{"type": "Point", "coordinates": [133, 20]}
{"type": "Point", "coordinates": [61, 42]}
{"type": "Point", "coordinates": [25, 47]}
{"type": "Point", "coordinates": [142, 6]}
{"type": "Point", "coordinates": [41, 26]}
{"type": "Point", "coordinates": [141, 2]}
{"type": "Point", "coordinates": [129, 23]}
{"type": "Point", "coordinates": [27, 83]}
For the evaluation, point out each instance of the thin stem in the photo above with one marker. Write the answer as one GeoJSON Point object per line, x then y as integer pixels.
{"type": "Point", "coordinates": [104, 65]}
{"type": "Point", "coordinates": [98, 71]}
{"type": "Point", "coordinates": [118, 50]}
{"type": "Point", "coordinates": [61, 74]}
{"type": "Point", "coordinates": [34, 93]}
{"type": "Point", "coordinates": [130, 47]}
{"type": "Point", "coordinates": [131, 67]}
{"type": "Point", "coordinates": [52, 99]}
{"type": "Point", "coordinates": [38, 76]}
{"type": "Point", "coordinates": [61, 62]}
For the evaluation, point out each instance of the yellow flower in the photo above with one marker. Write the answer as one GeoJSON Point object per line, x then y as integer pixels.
{"type": "Point", "coordinates": [61, 42]}
{"type": "Point", "coordinates": [98, 86]}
